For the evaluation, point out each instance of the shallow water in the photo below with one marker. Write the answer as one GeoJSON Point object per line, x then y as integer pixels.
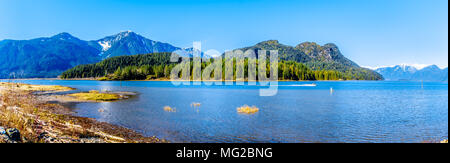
{"type": "Point", "coordinates": [355, 111]}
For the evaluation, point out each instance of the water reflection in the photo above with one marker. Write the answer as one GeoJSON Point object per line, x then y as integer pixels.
{"type": "Point", "coordinates": [350, 112]}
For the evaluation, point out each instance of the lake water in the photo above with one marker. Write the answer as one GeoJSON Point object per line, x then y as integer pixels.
{"type": "Point", "coordinates": [356, 111]}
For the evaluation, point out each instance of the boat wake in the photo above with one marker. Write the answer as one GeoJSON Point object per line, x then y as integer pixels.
{"type": "Point", "coordinates": [303, 85]}
{"type": "Point", "coordinates": [297, 85]}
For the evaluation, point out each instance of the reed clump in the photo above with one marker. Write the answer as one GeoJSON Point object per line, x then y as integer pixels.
{"type": "Point", "coordinates": [247, 109]}
{"type": "Point", "coordinates": [196, 104]}
{"type": "Point", "coordinates": [170, 109]}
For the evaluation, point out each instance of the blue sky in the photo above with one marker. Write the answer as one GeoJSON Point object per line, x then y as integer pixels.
{"type": "Point", "coordinates": [370, 32]}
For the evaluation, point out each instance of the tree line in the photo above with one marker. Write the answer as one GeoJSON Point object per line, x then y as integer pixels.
{"type": "Point", "coordinates": [158, 66]}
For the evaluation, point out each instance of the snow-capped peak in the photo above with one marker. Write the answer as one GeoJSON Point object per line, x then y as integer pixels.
{"type": "Point", "coordinates": [416, 66]}
{"type": "Point", "coordinates": [372, 68]}
{"type": "Point", "coordinates": [402, 66]}
{"type": "Point", "coordinates": [121, 35]}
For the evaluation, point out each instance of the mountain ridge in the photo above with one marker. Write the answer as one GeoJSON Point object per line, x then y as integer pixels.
{"type": "Point", "coordinates": [405, 72]}
{"type": "Point", "coordinates": [41, 58]}
{"type": "Point", "coordinates": [48, 57]}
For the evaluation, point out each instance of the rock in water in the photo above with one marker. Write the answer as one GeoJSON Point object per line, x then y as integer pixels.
{"type": "Point", "coordinates": [2, 131]}
{"type": "Point", "coordinates": [14, 134]}
{"type": "Point", "coordinates": [3, 136]}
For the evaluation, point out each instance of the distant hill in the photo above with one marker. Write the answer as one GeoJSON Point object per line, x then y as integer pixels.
{"type": "Point", "coordinates": [49, 57]}
{"type": "Point", "coordinates": [414, 73]}
{"type": "Point", "coordinates": [316, 57]}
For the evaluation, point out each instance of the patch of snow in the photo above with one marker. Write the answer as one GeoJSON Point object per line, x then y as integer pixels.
{"type": "Point", "coordinates": [372, 68]}
{"type": "Point", "coordinates": [105, 45]}
{"type": "Point", "coordinates": [417, 66]}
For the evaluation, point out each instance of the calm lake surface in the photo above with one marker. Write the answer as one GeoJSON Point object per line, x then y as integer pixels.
{"type": "Point", "coordinates": [356, 111]}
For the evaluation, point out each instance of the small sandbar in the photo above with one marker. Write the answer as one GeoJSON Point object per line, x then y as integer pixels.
{"type": "Point", "coordinates": [45, 92]}
{"type": "Point", "coordinates": [34, 88]}
{"type": "Point", "coordinates": [91, 96]}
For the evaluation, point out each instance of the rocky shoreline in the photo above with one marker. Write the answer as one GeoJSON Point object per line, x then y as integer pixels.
{"type": "Point", "coordinates": [10, 135]}
{"type": "Point", "coordinates": [27, 118]}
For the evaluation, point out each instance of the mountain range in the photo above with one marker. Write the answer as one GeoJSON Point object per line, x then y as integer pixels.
{"type": "Point", "coordinates": [44, 57]}
{"type": "Point", "coordinates": [406, 72]}
{"type": "Point", "coordinates": [50, 56]}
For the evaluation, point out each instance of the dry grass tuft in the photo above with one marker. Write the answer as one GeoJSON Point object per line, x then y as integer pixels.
{"type": "Point", "coordinates": [170, 109]}
{"type": "Point", "coordinates": [247, 109]}
{"type": "Point", "coordinates": [196, 104]}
